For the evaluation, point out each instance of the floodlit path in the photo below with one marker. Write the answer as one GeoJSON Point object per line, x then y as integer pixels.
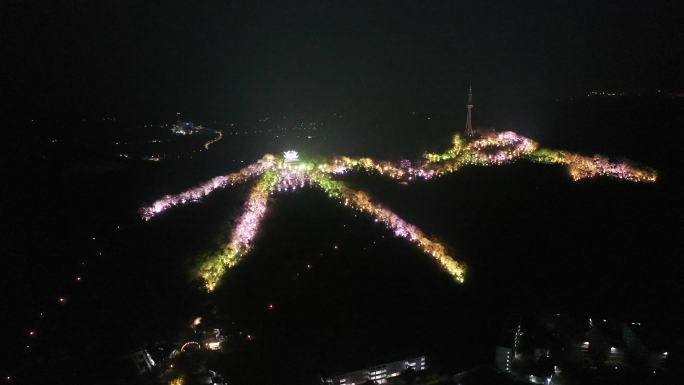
{"type": "Point", "coordinates": [219, 136]}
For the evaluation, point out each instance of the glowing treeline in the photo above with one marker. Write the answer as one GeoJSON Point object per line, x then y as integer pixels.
{"type": "Point", "coordinates": [582, 167]}
{"type": "Point", "coordinates": [198, 192]}
{"type": "Point", "coordinates": [243, 234]}
{"type": "Point", "coordinates": [505, 147]}
{"type": "Point", "coordinates": [360, 201]}
{"type": "Point", "coordinates": [491, 149]}
{"type": "Point", "coordinates": [277, 174]}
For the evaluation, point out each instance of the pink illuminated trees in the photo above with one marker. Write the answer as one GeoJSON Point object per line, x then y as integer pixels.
{"type": "Point", "coordinates": [287, 173]}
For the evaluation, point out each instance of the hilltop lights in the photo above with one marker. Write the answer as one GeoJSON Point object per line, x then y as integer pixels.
{"type": "Point", "coordinates": [291, 155]}
{"type": "Point", "coordinates": [289, 173]}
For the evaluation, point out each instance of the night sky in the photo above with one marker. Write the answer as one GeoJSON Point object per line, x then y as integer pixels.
{"type": "Point", "coordinates": [221, 58]}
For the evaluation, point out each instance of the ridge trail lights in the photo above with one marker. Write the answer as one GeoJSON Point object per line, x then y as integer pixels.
{"type": "Point", "coordinates": [281, 174]}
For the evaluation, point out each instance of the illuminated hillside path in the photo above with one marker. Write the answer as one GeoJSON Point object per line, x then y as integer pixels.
{"type": "Point", "coordinates": [287, 173]}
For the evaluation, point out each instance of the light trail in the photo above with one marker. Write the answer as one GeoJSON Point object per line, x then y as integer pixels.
{"type": "Point", "coordinates": [219, 136]}
{"type": "Point", "coordinates": [198, 192]}
{"type": "Point", "coordinates": [360, 201]}
{"type": "Point", "coordinates": [289, 180]}
{"type": "Point", "coordinates": [288, 173]}
{"type": "Point", "coordinates": [242, 236]}
{"type": "Point", "coordinates": [506, 147]}
{"type": "Point", "coordinates": [583, 167]}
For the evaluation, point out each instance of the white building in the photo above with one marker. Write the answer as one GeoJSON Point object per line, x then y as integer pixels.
{"type": "Point", "coordinates": [377, 373]}
{"type": "Point", "coordinates": [142, 360]}
{"type": "Point", "coordinates": [504, 358]}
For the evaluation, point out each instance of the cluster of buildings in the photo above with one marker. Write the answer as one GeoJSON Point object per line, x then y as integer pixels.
{"type": "Point", "coordinates": [142, 361]}
{"type": "Point", "coordinates": [185, 128]}
{"type": "Point", "coordinates": [378, 374]}
{"type": "Point", "coordinates": [540, 350]}
{"type": "Point", "coordinates": [160, 358]}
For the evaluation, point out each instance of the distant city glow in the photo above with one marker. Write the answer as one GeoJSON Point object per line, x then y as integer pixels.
{"type": "Point", "coordinates": [281, 174]}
